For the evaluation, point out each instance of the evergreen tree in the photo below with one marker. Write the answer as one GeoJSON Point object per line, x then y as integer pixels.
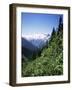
{"type": "Point", "coordinates": [60, 26]}
{"type": "Point", "coordinates": [52, 35]}
{"type": "Point", "coordinates": [53, 32]}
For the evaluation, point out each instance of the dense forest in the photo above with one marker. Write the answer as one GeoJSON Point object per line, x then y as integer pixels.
{"type": "Point", "coordinates": [49, 60]}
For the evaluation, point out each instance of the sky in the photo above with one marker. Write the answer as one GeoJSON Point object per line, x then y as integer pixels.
{"type": "Point", "coordinates": [38, 23]}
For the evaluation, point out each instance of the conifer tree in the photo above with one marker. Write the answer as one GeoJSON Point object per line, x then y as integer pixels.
{"type": "Point", "coordinates": [52, 35]}
{"type": "Point", "coordinates": [60, 26]}
{"type": "Point", "coordinates": [53, 32]}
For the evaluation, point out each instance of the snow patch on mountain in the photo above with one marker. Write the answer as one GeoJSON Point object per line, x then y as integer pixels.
{"type": "Point", "coordinates": [37, 39]}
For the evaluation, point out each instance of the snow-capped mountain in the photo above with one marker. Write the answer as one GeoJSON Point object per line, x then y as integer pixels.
{"type": "Point", "coordinates": [37, 39]}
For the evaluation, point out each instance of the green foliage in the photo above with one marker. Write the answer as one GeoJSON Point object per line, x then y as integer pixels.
{"type": "Point", "coordinates": [50, 59]}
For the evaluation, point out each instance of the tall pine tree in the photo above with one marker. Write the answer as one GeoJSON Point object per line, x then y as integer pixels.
{"type": "Point", "coordinates": [60, 26]}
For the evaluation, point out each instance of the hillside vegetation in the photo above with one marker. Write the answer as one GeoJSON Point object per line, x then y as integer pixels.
{"type": "Point", "coordinates": [50, 60]}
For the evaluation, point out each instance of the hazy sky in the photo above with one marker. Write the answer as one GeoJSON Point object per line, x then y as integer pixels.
{"type": "Point", "coordinates": [38, 23]}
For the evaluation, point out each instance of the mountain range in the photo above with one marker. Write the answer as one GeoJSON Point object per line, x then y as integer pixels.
{"type": "Point", "coordinates": [37, 39]}
{"type": "Point", "coordinates": [32, 44]}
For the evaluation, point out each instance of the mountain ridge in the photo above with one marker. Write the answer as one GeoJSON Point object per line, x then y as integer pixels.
{"type": "Point", "coordinates": [37, 39]}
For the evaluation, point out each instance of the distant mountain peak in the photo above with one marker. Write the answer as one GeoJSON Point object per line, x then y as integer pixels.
{"type": "Point", "coordinates": [37, 39]}
{"type": "Point", "coordinates": [36, 36]}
